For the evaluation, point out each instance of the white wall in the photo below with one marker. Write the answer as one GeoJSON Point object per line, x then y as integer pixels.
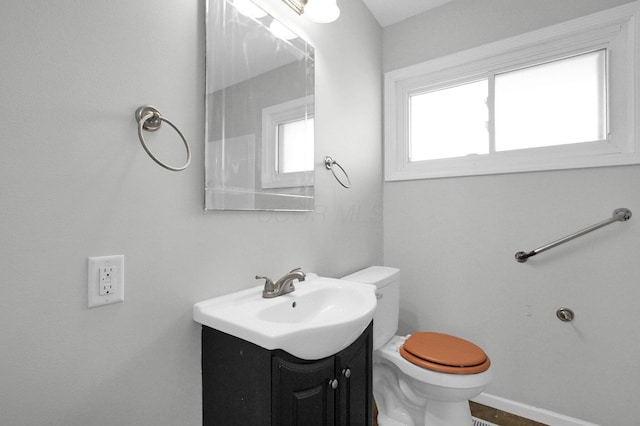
{"type": "Point", "coordinates": [75, 182]}
{"type": "Point", "coordinates": [455, 241]}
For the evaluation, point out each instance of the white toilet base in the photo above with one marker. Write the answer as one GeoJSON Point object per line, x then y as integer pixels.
{"type": "Point", "coordinates": [388, 421]}
{"type": "Point", "coordinates": [448, 414]}
{"type": "Point", "coordinates": [408, 395]}
{"type": "Point", "coordinates": [436, 413]}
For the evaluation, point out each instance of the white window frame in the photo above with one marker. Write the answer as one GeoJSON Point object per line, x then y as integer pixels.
{"type": "Point", "coordinates": [614, 30]}
{"type": "Point", "coordinates": [272, 116]}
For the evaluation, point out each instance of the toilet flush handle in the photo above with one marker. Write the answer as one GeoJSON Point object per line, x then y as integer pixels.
{"type": "Point", "coordinates": [378, 295]}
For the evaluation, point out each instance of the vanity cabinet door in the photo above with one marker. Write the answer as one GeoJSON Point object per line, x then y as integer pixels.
{"type": "Point", "coordinates": [354, 369]}
{"type": "Point", "coordinates": [302, 393]}
{"type": "Point", "coordinates": [236, 381]}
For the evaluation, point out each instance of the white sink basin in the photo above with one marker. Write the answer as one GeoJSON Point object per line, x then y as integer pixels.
{"type": "Point", "coordinates": [322, 317]}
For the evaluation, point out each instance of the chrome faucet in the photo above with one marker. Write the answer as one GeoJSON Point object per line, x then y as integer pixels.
{"type": "Point", "coordinates": [283, 286]}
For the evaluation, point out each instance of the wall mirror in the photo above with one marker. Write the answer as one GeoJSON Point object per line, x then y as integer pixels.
{"type": "Point", "coordinates": [259, 111]}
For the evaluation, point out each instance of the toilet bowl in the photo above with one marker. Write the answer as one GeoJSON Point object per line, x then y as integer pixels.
{"type": "Point", "coordinates": [424, 379]}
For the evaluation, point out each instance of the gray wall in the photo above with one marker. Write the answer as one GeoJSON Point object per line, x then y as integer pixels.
{"type": "Point", "coordinates": [455, 240]}
{"type": "Point", "coordinates": [75, 182]}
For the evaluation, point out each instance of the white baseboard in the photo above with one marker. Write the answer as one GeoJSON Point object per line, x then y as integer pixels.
{"type": "Point", "coordinates": [529, 412]}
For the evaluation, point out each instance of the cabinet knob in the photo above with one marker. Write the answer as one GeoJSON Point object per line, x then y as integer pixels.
{"type": "Point", "coordinates": [333, 383]}
{"type": "Point", "coordinates": [346, 372]}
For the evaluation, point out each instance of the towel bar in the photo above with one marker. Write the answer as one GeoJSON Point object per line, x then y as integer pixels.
{"type": "Point", "coordinates": [619, 215]}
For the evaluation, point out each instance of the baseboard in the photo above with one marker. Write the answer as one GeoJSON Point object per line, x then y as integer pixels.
{"type": "Point", "coordinates": [529, 412]}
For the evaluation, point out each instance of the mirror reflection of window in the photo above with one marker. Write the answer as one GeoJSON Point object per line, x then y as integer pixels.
{"type": "Point", "coordinates": [295, 146]}
{"type": "Point", "coordinates": [287, 144]}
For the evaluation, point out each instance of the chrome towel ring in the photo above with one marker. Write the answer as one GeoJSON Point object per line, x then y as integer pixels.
{"type": "Point", "coordinates": [150, 119]}
{"type": "Point", "coordinates": [329, 163]}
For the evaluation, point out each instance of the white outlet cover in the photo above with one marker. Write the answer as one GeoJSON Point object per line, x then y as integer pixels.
{"type": "Point", "coordinates": [93, 282]}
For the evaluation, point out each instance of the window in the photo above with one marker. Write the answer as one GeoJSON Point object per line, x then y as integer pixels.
{"type": "Point", "coordinates": [435, 119]}
{"type": "Point", "coordinates": [295, 146]}
{"type": "Point", "coordinates": [558, 98]}
{"type": "Point", "coordinates": [287, 144]}
{"type": "Point", "coordinates": [555, 103]}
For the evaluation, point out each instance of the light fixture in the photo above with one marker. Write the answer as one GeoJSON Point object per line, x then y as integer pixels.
{"type": "Point", "coordinates": [296, 5]}
{"type": "Point", "coordinates": [321, 11]}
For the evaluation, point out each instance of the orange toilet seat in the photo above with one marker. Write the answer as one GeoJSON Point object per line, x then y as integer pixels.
{"type": "Point", "coordinates": [444, 353]}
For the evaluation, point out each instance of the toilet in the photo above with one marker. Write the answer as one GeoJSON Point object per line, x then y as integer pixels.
{"type": "Point", "coordinates": [424, 379]}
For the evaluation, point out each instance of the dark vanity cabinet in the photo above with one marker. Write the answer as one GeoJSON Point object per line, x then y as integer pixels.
{"type": "Point", "coordinates": [245, 384]}
{"type": "Point", "coordinates": [303, 394]}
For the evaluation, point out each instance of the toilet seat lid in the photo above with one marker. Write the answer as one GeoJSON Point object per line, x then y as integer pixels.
{"type": "Point", "coordinates": [444, 353]}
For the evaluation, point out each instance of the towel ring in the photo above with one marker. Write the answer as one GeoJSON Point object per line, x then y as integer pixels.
{"type": "Point", "coordinates": [150, 119]}
{"type": "Point", "coordinates": [329, 163]}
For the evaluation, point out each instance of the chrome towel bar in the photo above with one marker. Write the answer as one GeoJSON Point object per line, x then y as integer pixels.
{"type": "Point", "coordinates": [619, 215]}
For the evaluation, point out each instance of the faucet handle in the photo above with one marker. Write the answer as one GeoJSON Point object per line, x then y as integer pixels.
{"type": "Point", "coordinates": [299, 269]}
{"type": "Point", "coordinates": [296, 270]}
{"type": "Point", "coordinates": [268, 284]}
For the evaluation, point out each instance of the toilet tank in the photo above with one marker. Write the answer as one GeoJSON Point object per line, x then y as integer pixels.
{"type": "Point", "coordinates": [387, 281]}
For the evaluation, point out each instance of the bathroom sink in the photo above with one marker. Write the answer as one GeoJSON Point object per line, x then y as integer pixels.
{"type": "Point", "coordinates": [320, 318]}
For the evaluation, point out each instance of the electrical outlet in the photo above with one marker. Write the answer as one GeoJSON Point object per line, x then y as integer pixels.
{"type": "Point", "coordinates": [105, 282]}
